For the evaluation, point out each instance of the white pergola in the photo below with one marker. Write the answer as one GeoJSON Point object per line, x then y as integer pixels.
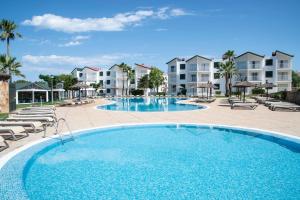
{"type": "Point", "coordinates": [33, 91]}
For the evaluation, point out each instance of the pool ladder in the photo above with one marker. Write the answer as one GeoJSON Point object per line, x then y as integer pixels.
{"type": "Point", "coordinates": [71, 137]}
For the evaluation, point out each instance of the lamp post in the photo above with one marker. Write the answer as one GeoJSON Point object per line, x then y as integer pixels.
{"type": "Point", "coordinates": [52, 77]}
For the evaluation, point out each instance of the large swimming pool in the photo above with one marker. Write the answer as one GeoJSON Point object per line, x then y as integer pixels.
{"type": "Point", "coordinates": [149, 104]}
{"type": "Point", "coordinates": [157, 162]}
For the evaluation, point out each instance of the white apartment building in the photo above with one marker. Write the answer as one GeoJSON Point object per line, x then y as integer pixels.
{"type": "Point", "coordinates": [190, 73]}
{"type": "Point", "coordinates": [112, 79]}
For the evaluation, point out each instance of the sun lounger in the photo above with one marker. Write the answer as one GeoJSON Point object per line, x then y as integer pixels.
{"type": "Point", "coordinates": [205, 100]}
{"type": "Point", "coordinates": [44, 120]}
{"type": "Point", "coordinates": [3, 144]}
{"type": "Point", "coordinates": [252, 106]}
{"type": "Point", "coordinates": [31, 115]}
{"type": "Point", "coordinates": [34, 125]}
{"type": "Point", "coordinates": [285, 106]}
{"type": "Point", "coordinates": [13, 132]}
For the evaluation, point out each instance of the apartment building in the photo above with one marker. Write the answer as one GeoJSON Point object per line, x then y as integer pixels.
{"type": "Point", "coordinates": [113, 79]}
{"type": "Point", "coordinates": [189, 73]}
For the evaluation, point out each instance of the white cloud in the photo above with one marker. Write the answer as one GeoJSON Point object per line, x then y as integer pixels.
{"type": "Point", "coordinates": [75, 41]}
{"type": "Point", "coordinates": [116, 23]}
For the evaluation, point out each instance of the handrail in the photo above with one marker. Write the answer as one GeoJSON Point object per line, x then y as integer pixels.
{"type": "Point", "coordinates": [59, 133]}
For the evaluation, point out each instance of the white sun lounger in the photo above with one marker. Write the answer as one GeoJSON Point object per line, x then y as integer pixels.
{"type": "Point", "coordinates": [291, 107]}
{"type": "Point", "coordinates": [14, 132]}
{"type": "Point", "coordinates": [45, 120]}
{"type": "Point", "coordinates": [3, 144]}
{"type": "Point", "coordinates": [252, 106]}
{"type": "Point", "coordinates": [34, 125]}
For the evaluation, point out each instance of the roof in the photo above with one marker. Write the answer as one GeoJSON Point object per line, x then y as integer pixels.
{"type": "Point", "coordinates": [92, 68]}
{"type": "Point", "coordinates": [199, 57]}
{"type": "Point", "coordinates": [262, 56]}
{"type": "Point", "coordinates": [274, 53]}
{"type": "Point", "coordinates": [142, 65]}
{"type": "Point", "coordinates": [30, 85]}
{"type": "Point", "coordinates": [77, 68]}
{"type": "Point", "coordinates": [113, 66]}
{"type": "Point", "coordinates": [175, 59]}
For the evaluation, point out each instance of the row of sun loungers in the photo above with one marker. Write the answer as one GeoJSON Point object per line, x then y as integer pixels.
{"type": "Point", "coordinates": [76, 102]}
{"type": "Point", "coordinates": [275, 104]}
{"type": "Point", "coordinates": [20, 123]}
{"type": "Point", "coordinates": [237, 103]}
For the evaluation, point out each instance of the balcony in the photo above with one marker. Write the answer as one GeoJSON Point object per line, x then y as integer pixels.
{"type": "Point", "coordinates": [203, 68]}
{"type": "Point", "coordinates": [203, 79]}
{"type": "Point", "coordinates": [254, 78]}
{"type": "Point", "coordinates": [283, 66]}
{"type": "Point", "coordinates": [254, 66]}
{"type": "Point", "coordinates": [172, 80]}
{"type": "Point", "coordinates": [283, 78]}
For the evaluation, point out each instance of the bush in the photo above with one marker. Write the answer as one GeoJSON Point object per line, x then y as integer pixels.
{"type": "Point", "coordinates": [258, 91]}
{"type": "Point", "coordinates": [161, 94]}
{"type": "Point", "coordinates": [218, 92]}
{"type": "Point", "coordinates": [137, 92]}
{"type": "Point", "coordinates": [182, 92]}
{"type": "Point", "coordinates": [279, 95]}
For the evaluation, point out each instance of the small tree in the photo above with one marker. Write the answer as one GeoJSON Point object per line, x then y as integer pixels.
{"type": "Point", "coordinates": [10, 64]}
{"type": "Point", "coordinates": [156, 77]}
{"type": "Point", "coordinates": [144, 83]}
{"type": "Point", "coordinates": [295, 79]}
{"type": "Point", "coordinates": [96, 86]}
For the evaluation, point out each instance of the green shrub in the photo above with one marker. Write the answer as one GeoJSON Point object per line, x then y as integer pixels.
{"type": "Point", "coordinates": [258, 91]}
{"type": "Point", "coordinates": [161, 94]}
{"type": "Point", "coordinates": [137, 92]}
{"type": "Point", "coordinates": [218, 92]}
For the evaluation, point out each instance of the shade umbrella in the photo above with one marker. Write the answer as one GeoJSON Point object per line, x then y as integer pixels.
{"type": "Point", "coordinates": [244, 85]}
{"type": "Point", "coordinates": [208, 85]}
{"type": "Point", "coordinates": [80, 85]}
{"type": "Point", "coordinates": [268, 86]}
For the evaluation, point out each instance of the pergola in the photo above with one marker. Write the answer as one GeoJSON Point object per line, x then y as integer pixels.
{"type": "Point", "coordinates": [31, 92]}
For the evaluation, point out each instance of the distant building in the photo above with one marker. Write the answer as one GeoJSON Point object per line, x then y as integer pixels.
{"type": "Point", "coordinates": [189, 74]}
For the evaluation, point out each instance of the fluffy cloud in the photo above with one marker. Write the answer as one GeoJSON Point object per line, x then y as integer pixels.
{"type": "Point", "coordinates": [116, 23]}
{"type": "Point", "coordinates": [75, 41]}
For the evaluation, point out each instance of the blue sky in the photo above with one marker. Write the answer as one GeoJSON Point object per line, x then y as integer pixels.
{"type": "Point", "coordinates": [59, 35]}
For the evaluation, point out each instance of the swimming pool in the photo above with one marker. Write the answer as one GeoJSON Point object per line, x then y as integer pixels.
{"type": "Point", "coordinates": [149, 104]}
{"type": "Point", "coordinates": [165, 161]}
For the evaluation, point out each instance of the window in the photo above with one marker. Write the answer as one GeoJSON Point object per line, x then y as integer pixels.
{"type": "Point", "coordinates": [173, 88]}
{"type": "Point", "coordinates": [172, 68]}
{"type": "Point", "coordinates": [217, 65]}
{"type": "Point", "coordinates": [132, 81]}
{"type": "Point", "coordinates": [269, 62]}
{"type": "Point", "coordinates": [217, 86]}
{"type": "Point", "coordinates": [269, 74]}
{"type": "Point", "coordinates": [80, 75]}
{"type": "Point", "coordinates": [101, 91]}
{"type": "Point", "coordinates": [107, 82]}
{"type": "Point", "coordinates": [216, 75]}
{"type": "Point", "coordinates": [108, 73]}
{"type": "Point", "coordinates": [101, 82]}
{"type": "Point", "coordinates": [100, 73]}
{"type": "Point", "coordinates": [182, 66]}
{"type": "Point", "coordinates": [182, 76]}
{"type": "Point", "coordinates": [193, 78]}
{"type": "Point", "coordinates": [107, 90]}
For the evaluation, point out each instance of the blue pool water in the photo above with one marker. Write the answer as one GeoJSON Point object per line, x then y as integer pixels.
{"type": "Point", "coordinates": [149, 104]}
{"type": "Point", "coordinates": [157, 162]}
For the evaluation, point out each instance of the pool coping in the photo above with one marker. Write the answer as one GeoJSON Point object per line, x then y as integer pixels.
{"type": "Point", "coordinates": [204, 107]}
{"type": "Point", "coordinates": [4, 159]}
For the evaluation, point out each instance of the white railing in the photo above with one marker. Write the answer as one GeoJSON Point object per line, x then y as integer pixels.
{"type": "Point", "coordinates": [254, 78]}
{"type": "Point", "coordinates": [203, 79]}
{"type": "Point", "coordinates": [203, 68]}
{"type": "Point", "coordinates": [283, 78]}
{"type": "Point", "coordinates": [256, 65]}
{"type": "Point", "coordinates": [283, 65]}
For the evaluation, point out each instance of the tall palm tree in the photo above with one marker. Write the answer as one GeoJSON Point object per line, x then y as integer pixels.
{"type": "Point", "coordinates": [8, 32]}
{"type": "Point", "coordinates": [124, 67]}
{"type": "Point", "coordinates": [10, 64]}
{"type": "Point", "coordinates": [130, 77]}
{"type": "Point", "coordinates": [227, 70]}
{"type": "Point", "coordinates": [229, 55]}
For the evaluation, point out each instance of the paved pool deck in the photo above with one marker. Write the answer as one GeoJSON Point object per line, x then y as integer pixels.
{"type": "Point", "coordinates": [87, 116]}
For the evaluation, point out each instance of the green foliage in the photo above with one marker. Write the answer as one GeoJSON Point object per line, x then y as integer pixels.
{"type": "Point", "coordinates": [9, 64]}
{"type": "Point", "coordinates": [156, 78]}
{"type": "Point", "coordinates": [295, 79]}
{"type": "Point", "coordinates": [258, 91]}
{"type": "Point", "coordinates": [161, 94]}
{"type": "Point", "coordinates": [144, 82]}
{"type": "Point", "coordinates": [228, 70]}
{"type": "Point", "coordinates": [218, 92]}
{"type": "Point", "coordinates": [127, 70]}
{"type": "Point", "coordinates": [67, 79]}
{"type": "Point", "coordinates": [279, 95]}
{"type": "Point", "coordinates": [137, 92]}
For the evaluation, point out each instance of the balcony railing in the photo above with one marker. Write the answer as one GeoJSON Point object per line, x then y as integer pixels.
{"type": "Point", "coordinates": [254, 66]}
{"type": "Point", "coordinates": [172, 80]}
{"type": "Point", "coordinates": [194, 68]}
{"type": "Point", "coordinates": [203, 68]}
{"type": "Point", "coordinates": [254, 78]}
{"type": "Point", "coordinates": [283, 66]}
{"type": "Point", "coordinates": [283, 78]}
{"type": "Point", "coordinates": [203, 79]}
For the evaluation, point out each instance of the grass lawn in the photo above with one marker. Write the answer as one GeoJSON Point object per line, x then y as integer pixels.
{"type": "Point", "coordinates": [3, 116]}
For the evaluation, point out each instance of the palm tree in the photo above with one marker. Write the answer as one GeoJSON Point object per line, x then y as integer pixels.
{"type": "Point", "coordinates": [124, 67]}
{"type": "Point", "coordinates": [8, 32]}
{"type": "Point", "coordinates": [130, 77]}
{"type": "Point", "coordinates": [229, 55]}
{"type": "Point", "coordinates": [227, 70]}
{"type": "Point", "coordinates": [10, 64]}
